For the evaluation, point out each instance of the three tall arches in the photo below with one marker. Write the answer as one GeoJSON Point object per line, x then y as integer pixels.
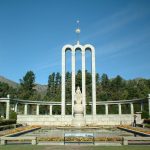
{"type": "Point", "coordinates": [73, 57]}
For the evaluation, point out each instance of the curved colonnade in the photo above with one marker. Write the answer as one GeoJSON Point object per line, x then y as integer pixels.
{"type": "Point", "coordinates": [12, 104]}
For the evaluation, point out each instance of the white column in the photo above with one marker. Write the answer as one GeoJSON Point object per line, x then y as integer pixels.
{"type": "Point", "coordinates": [51, 109]}
{"type": "Point", "coordinates": [73, 78]}
{"type": "Point", "coordinates": [83, 81]}
{"type": "Point", "coordinates": [132, 108]}
{"type": "Point", "coordinates": [2, 111]}
{"type": "Point", "coordinates": [120, 111]}
{"type": "Point", "coordinates": [141, 106]}
{"type": "Point", "coordinates": [63, 82]}
{"type": "Point", "coordinates": [7, 109]}
{"type": "Point", "coordinates": [37, 109]}
{"type": "Point", "coordinates": [93, 82]}
{"type": "Point", "coordinates": [149, 104]}
{"type": "Point", "coordinates": [16, 107]}
{"type": "Point", "coordinates": [25, 109]}
{"type": "Point", "coordinates": [106, 109]}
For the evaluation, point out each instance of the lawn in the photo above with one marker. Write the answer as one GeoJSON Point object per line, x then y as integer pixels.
{"type": "Point", "coordinates": [50, 147]}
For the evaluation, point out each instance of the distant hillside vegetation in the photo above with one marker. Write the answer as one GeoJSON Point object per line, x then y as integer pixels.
{"type": "Point", "coordinates": [40, 88]}
{"type": "Point", "coordinates": [9, 82]}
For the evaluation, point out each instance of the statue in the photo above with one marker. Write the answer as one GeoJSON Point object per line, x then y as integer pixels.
{"type": "Point", "coordinates": [78, 96]}
{"type": "Point", "coordinates": [78, 107]}
{"type": "Point", "coordinates": [78, 119]}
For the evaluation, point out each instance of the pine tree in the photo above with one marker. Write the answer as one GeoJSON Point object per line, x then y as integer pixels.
{"type": "Point", "coordinates": [27, 85]}
{"type": "Point", "coordinates": [50, 96]}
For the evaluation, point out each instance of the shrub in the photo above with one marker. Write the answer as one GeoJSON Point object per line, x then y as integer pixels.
{"type": "Point", "coordinates": [145, 115]}
{"type": "Point", "coordinates": [13, 115]}
{"type": "Point", "coordinates": [147, 121]}
{"type": "Point", "coordinates": [7, 122]}
{"type": "Point", "coordinates": [147, 125]}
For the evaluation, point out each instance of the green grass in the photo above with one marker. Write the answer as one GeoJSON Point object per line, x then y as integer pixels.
{"type": "Point", "coordinates": [50, 147]}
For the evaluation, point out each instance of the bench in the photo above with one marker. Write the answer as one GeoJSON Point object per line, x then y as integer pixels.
{"type": "Point", "coordinates": [77, 136]}
{"type": "Point", "coordinates": [126, 139]}
{"type": "Point", "coordinates": [4, 139]}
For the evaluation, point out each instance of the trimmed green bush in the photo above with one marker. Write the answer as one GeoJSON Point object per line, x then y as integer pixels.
{"type": "Point", "coordinates": [7, 122]}
{"type": "Point", "coordinates": [147, 125]}
{"type": "Point", "coordinates": [147, 121]}
{"type": "Point", "coordinates": [13, 115]}
{"type": "Point", "coordinates": [145, 115]}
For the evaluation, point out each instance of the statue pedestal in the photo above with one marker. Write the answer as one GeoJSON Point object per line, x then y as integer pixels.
{"type": "Point", "coordinates": [78, 120]}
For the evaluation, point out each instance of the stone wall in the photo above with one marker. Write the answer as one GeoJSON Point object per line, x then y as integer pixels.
{"type": "Point", "coordinates": [58, 120]}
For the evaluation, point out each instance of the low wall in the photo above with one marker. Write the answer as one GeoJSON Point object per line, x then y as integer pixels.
{"type": "Point", "coordinates": [124, 119]}
{"type": "Point", "coordinates": [58, 120]}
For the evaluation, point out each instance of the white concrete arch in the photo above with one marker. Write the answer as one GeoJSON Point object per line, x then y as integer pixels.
{"type": "Point", "coordinates": [92, 49]}
{"type": "Point", "coordinates": [73, 50]}
{"type": "Point", "coordinates": [65, 47]}
{"type": "Point", "coordinates": [78, 46]}
{"type": "Point", "coordinates": [81, 48]}
{"type": "Point", "coordinates": [73, 77]}
{"type": "Point", "coordinates": [63, 76]}
{"type": "Point", "coordinates": [89, 46]}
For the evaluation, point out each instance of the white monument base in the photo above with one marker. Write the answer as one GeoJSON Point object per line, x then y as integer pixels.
{"type": "Point", "coordinates": [58, 120]}
{"type": "Point", "coordinates": [78, 120]}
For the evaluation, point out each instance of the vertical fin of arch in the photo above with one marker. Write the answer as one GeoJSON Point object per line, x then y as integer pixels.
{"type": "Point", "coordinates": [63, 82]}
{"type": "Point", "coordinates": [93, 82]}
{"type": "Point", "coordinates": [73, 78]}
{"type": "Point", "coordinates": [83, 81]}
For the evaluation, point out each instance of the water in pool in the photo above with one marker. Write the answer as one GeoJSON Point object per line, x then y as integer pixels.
{"type": "Point", "coordinates": [56, 132]}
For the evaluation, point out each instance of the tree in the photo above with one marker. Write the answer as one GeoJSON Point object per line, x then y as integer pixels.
{"type": "Point", "coordinates": [27, 85]}
{"type": "Point", "coordinates": [5, 89]}
{"type": "Point", "coordinates": [68, 87]}
{"type": "Point", "coordinates": [58, 79]}
{"type": "Point", "coordinates": [88, 88]}
{"type": "Point", "coordinates": [105, 81]}
{"type": "Point", "coordinates": [58, 86]}
{"type": "Point", "coordinates": [117, 88]}
{"type": "Point", "coordinates": [104, 93]}
{"type": "Point", "coordinates": [79, 79]}
{"type": "Point", "coordinates": [50, 95]}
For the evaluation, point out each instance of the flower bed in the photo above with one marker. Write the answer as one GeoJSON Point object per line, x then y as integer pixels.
{"type": "Point", "coordinates": [108, 139]}
{"type": "Point", "coordinates": [135, 129]}
{"type": "Point", "coordinates": [50, 139]}
{"type": "Point", "coordinates": [16, 130]}
{"type": "Point", "coordinates": [80, 139]}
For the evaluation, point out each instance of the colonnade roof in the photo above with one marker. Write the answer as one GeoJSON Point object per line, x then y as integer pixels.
{"type": "Point", "coordinates": [69, 103]}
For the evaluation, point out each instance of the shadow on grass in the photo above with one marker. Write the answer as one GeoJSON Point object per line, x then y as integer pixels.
{"type": "Point", "coordinates": [71, 147]}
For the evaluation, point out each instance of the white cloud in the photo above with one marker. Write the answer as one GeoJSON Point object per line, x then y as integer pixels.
{"type": "Point", "coordinates": [122, 44]}
{"type": "Point", "coordinates": [114, 22]}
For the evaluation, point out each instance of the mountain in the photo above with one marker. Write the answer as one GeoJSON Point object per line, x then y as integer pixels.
{"type": "Point", "coordinates": [9, 82]}
{"type": "Point", "coordinates": [40, 88]}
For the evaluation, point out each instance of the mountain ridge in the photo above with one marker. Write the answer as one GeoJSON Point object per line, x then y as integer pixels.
{"type": "Point", "coordinates": [39, 87]}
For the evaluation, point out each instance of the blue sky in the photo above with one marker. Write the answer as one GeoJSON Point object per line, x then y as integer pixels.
{"type": "Point", "coordinates": [32, 33]}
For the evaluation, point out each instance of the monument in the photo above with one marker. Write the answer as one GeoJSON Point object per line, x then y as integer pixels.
{"type": "Point", "coordinates": [78, 117]}
{"type": "Point", "coordinates": [83, 49]}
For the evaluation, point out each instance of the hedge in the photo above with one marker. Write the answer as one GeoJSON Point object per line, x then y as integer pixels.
{"type": "Point", "coordinates": [7, 122]}
{"type": "Point", "coordinates": [147, 121]}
